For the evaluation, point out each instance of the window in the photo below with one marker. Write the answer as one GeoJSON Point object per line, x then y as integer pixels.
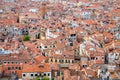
{"type": "Point", "coordinates": [39, 74]}
{"type": "Point", "coordinates": [9, 68]}
{"type": "Point", "coordinates": [24, 75]}
{"type": "Point", "coordinates": [12, 68]}
{"type": "Point", "coordinates": [102, 57]}
{"type": "Point", "coordinates": [16, 68]}
{"type": "Point", "coordinates": [31, 74]}
{"type": "Point", "coordinates": [55, 60]}
{"type": "Point", "coordinates": [59, 60]}
{"type": "Point", "coordinates": [4, 62]}
{"type": "Point", "coordinates": [51, 60]}
{"type": "Point", "coordinates": [12, 62]}
{"type": "Point", "coordinates": [84, 66]}
{"type": "Point", "coordinates": [19, 68]}
{"type": "Point", "coordinates": [53, 45]}
{"type": "Point", "coordinates": [48, 74]}
{"type": "Point", "coordinates": [62, 61]}
{"type": "Point", "coordinates": [68, 61]}
{"type": "Point", "coordinates": [72, 61]}
{"type": "Point", "coordinates": [96, 58]}
{"type": "Point", "coordinates": [92, 58]}
{"type": "Point", "coordinates": [71, 44]}
{"type": "Point", "coordinates": [25, 62]}
{"type": "Point", "coordinates": [35, 74]}
{"type": "Point", "coordinates": [44, 74]}
{"type": "Point", "coordinates": [75, 50]}
{"type": "Point", "coordinates": [8, 62]}
{"type": "Point", "coordinates": [45, 46]}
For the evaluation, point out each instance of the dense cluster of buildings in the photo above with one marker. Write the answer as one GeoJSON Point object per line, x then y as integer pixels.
{"type": "Point", "coordinates": [60, 39]}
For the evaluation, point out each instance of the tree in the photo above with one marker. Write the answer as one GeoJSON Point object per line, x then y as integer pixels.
{"type": "Point", "coordinates": [45, 78]}
{"type": "Point", "coordinates": [37, 78]}
{"type": "Point", "coordinates": [26, 38]}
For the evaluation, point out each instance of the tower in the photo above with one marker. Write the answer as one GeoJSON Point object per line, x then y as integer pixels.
{"type": "Point", "coordinates": [43, 10]}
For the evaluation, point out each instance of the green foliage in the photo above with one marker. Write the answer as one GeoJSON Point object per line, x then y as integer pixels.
{"type": "Point", "coordinates": [26, 38]}
{"type": "Point", "coordinates": [37, 78]}
{"type": "Point", "coordinates": [45, 78]}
